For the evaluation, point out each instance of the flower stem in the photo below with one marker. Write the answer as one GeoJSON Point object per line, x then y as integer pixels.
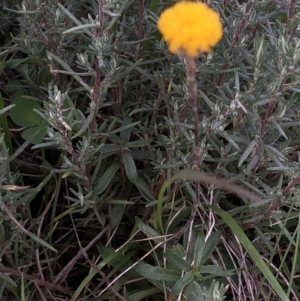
{"type": "Point", "coordinates": [192, 90]}
{"type": "Point", "coordinates": [191, 65]}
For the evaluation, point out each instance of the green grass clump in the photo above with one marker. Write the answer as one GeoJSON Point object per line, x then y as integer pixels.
{"type": "Point", "coordinates": [101, 197]}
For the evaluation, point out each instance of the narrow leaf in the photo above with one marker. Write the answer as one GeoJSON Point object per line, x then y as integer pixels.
{"type": "Point", "coordinates": [198, 251]}
{"type": "Point", "coordinates": [126, 132]}
{"type": "Point", "coordinates": [177, 261]}
{"type": "Point", "coordinates": [116, 215]}
{"type": "Point", "coordinates": [40, 241]}
{"type": "Point", "coordinates": [106, 178]}
{"type": "Point", "coordinates": [130, 167]}
{"type": "Point", "coordinates": [144, 189]}
{"type": "Point", "coordinates": [247, 151]}
{"type": "Point", "coordinates": [6, 109]}
{"type": "Point", "coordinates": [181, 283]}
{"type": "Point", "coordinates": [151, 233]}
{"type": "Point", "coordinates": [69, 69]}
{"type": "Point", "coordinates": [215, 270]}
{"type": "Point", "coordinates": [249, 247]}
{"type": "Point", "coordinates": [157, 273]}
{"type": "Point", "coordinates": [6, 278]}
{"type": "Point", "coordinates": [80, 28]}
{"type": "Point", "coordinates": [209, 246]}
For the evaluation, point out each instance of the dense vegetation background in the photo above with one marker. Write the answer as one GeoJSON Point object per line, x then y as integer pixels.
{"type": "Point", "coordinates": [96, 120]}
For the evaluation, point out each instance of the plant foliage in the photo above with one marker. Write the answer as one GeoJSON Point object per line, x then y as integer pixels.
{"type": "Point", "coordinates": [96, 121]}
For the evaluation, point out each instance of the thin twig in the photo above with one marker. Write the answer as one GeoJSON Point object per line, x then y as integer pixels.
{"type": "Point", "coordinates": [39, 282]}
{"type": "Point", "coordinates": [66, 270]}
{"type": "Point", "coordinates": [133, 265]}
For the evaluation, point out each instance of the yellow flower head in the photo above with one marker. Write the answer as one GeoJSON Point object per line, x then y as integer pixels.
{"type": "Point", "coordinates": [190, 26]}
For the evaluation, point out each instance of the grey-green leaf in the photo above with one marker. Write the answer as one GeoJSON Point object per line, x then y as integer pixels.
{"type": "Point", "coordinates": [215, 270]}
{"type": "Point", "coordinates": [106, 178]}
{"type": "Point", "coordinates": [177, 261]}
{"type": "Point", "coordinates": [157, 273]}
{"type": "Point", "coordinates": [199, 246]}
{"type": "Point", "coordinates": [209, 246]}
{"type": "Point", "coordinates": [181, 283]}
{"type": "Point", "coordinates": [130, 167]}
{"type": "Point", "coordinates": [247, 151]}
{"type": "Point", "coordinates": [151, 233]}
